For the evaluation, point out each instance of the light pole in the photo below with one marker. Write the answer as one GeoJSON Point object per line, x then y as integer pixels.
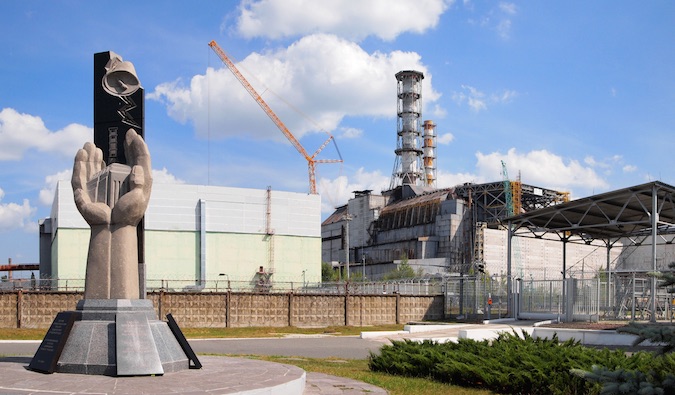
{"type": "Point", "coordinates": [228, 281]}
{"type": "Point", "coordinates": [363, 267]}
{"type": "Point", "coordinates": [347, 218]}
{"type": "Point", "coordinates": [303, 280]}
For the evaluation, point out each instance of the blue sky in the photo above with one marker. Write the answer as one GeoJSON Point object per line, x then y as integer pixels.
{"type": "Point", "coordinates": [577, 96]}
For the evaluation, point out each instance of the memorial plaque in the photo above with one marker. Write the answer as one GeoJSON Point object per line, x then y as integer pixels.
{"type": "Point", "coordinates": [47, 355]}
{"type": "Point", "coordinates": [173, 325]}
{"type": "Point", "coordinates": [136, 351]}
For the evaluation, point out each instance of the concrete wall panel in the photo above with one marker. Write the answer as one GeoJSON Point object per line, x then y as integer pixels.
{"type": "Point", "coordinates": [318, 310]}
{"type": "Point", "coordinates": [197, 310]}
{"type": "Point", "coordinates": [247, 310]}
{"type": "Point", "coordinates": [39, 309]}
{"type": "Point", "coordinates": [8, 305]}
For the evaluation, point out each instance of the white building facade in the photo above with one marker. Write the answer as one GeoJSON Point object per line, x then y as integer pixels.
{"type": "Point", "coordinates": [196, 235]}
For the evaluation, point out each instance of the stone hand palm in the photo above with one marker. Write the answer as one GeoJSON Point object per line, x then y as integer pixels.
{"type": "Point", "coordinates": [88, 162]}
{"type": "Point", "coordinates": [130, 208]}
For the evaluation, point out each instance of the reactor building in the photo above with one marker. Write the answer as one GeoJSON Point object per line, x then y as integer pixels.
{"type": "Point", "coordinates": [442, 231]}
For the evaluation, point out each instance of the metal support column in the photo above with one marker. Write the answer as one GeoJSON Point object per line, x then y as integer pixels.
{"type": "Point", "coordinates": [509, 284]}
{"type": "Point", "coordinates": [655, 221]}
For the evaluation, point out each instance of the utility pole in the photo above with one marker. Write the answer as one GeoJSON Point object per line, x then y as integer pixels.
{"type": "Point", "coordinates": [363, 267]}
{"type": "Point", "coordinates": [347, 218]}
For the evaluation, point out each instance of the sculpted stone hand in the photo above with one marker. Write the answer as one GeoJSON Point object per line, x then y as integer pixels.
{"type": "Point", "coordinates": [112, 263]}
{"type": "Point", "coordinates": [89, 162]}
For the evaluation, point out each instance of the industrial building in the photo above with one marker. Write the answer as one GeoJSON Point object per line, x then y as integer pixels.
{"type": "Point", "coordinates": [196, 234]}
{"type": "Point", "coordinates": [443, 231]}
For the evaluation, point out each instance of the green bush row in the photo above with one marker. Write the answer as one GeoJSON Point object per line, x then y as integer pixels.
{"type": "Point", "coordinates": [515, 364]}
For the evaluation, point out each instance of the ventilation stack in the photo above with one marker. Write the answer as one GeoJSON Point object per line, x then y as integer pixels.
{"type": "Point", "coordinates": [429, 157]}
{"type": "Point", "coordinates": [408, 163]}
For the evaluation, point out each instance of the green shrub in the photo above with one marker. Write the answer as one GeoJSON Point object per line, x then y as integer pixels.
{"type": "Point", "coordinates": [516, 364]}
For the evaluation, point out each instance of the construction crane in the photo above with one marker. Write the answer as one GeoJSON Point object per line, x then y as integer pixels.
{"type": "Point", "coordinates": [507, 191]}
{"type": "Point", "coordinates": [311, 159]}
{"type": "Point", "coordinates": [512, 193]}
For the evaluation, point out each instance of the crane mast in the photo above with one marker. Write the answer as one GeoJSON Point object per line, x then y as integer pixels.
{"type": "Point", "coordinates": [311, 161]}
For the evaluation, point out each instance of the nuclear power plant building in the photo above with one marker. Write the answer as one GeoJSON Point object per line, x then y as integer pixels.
{"type": "Point", "coordinates": [443, 231]}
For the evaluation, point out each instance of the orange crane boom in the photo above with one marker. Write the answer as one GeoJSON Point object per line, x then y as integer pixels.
{"type": "Point", "coordinates": [311, 161]}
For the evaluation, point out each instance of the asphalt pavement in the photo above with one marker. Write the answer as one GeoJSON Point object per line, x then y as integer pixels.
{"type": "Point", "coordinates": [310, 346]}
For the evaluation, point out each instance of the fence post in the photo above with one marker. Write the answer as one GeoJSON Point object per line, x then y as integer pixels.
{"type": "Point", "coordinates": [290, 308]}
{"type": "Point", "coordinates": [160, 300]}
{"type": "Point", "coordinates": [570, 296]}
{"type": "Point", "coordinates": [398, 308]}
{"type": "Point", "coordinates": [346, 304]}
{"type": "Point", "coordinates": [598, 305]}
{"type": "Point", "coordinates": [228, 300]}
{"type": "Point", "coordinates": [19, 307]}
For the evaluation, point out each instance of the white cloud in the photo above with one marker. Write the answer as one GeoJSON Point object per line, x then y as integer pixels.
{"type": "Point", "coordinates": [474, 98]}
{"type": "Point", "coordinates": [164, 177]}
{"type": "Point", "coordinates": [498, 19]}
{"type": "Point", "coordinates": [629, 168]}
{"type": "Point", "coordinates": [438, 111]}
{"type": "Point", "coordinates": [541, 168]}
{"type": "Point", "coordinates": [322, 75]}
{"type": "Point", "coordinates": [589, 160]}
{"type": "Point", "coordinates": [16, 216]}
{"type": "Point", "coordinates": [47, 192]}
{"type": "Point", "coordinates": [385, 19]}
{"type": "Point", "coordinates": [445, 139]}
{"type": "Point", "coordinates": [504, 28]}
{"type": "Point", "coordinates": [22, 132]}
{"type": "Point", "coordinates": [447, 180]}
{"type": "Point", "coordinates": [507, 8]}
{"type": "Point", "coordinates": [478, 100]}
{"type": "Point", "coordinates": [505, 97]}
{"type": "Point", "coordinates": [350, 133]}
{"type": "Point", "coordinates": [607, 165]}
{"type": "Point", "coordinates": [338, 191]}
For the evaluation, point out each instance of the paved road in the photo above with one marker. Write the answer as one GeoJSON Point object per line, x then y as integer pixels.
{"type": "Point", "coordinates": [311, 346]}
{"type": "Point", "coordinates": [346, 347]}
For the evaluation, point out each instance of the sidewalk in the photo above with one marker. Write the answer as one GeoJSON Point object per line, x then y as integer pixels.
{"type": "Point", "coordinates": [442, 333]}
{"type": "Point", "coordinates": [220, 375]}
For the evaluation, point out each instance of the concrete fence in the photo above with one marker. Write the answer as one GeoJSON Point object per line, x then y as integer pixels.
{"type": "Point", "coordinates": [37, 309]}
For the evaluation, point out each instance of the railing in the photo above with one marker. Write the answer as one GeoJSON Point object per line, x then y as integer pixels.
{"type": "Point", "coordinates": [43, 284]}
{"type": "Point", "coordinates": [626, 296]}
{"type": "Point", "coordinates": [405, 287]}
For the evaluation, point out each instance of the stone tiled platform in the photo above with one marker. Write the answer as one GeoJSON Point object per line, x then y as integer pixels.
{"type": "Point", "coordinates": [220, 375]}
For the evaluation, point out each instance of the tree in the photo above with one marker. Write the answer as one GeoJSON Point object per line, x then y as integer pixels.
{"type": "Point", "coordinates": [403, 270]}
{"type": "Point", "coordinates": [328, 274]}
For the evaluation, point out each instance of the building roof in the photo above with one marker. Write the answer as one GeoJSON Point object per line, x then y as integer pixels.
{"type": "Point", "coordinates": [621, 213]}
{"type": "Point", "coordinates": [337, 215]}
{"type": "Point", "coordinates": [437, 195]}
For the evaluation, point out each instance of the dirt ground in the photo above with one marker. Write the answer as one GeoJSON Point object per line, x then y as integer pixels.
{"type": "Point", "coordinates": [601, 325]}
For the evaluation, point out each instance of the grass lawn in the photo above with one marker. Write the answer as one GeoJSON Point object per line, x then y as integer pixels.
{"type": "Point", "coordinates": [354, 369]}
{"type": "Point", "coordinates": [205, 333]}
{"type": "Point", "coordinates": [357, 369]}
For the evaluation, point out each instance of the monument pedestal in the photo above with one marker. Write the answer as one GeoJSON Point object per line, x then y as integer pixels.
{"type": "Point", "coordinates": [112, 337]}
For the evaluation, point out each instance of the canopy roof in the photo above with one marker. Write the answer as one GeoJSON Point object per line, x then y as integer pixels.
{"type": "Point", "coordinates": [608, 216]}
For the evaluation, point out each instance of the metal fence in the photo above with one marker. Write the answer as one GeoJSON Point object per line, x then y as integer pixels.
{"type": "Point", "coordinates": [480, 296]}
{"type": "Point", "coordinates": [626, 296]}
{"type": "Point", "coordinates": [421, 286]}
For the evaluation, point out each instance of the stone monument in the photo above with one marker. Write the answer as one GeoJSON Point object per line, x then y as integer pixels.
{"type": "Point", "coordinates": [114, 330]}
